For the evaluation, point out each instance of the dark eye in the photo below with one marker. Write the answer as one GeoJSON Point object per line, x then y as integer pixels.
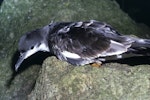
{"type": "Point", "coordinates": [32, 47]}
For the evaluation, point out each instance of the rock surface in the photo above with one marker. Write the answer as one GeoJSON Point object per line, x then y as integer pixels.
{"type": "Point", "coordinates": [57, 79]}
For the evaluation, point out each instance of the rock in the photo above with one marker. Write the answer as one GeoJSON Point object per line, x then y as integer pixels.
{"type": "Point", "coordinates": [62, 81]}
{"type": "Point", "coordinates": [58, 79]}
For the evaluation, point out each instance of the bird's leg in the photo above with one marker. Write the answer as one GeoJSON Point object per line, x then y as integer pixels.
{"type": "Point", "coordinates": [96, 64]}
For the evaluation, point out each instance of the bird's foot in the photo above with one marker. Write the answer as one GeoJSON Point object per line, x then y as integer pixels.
{"type": "Point", "coordinates": [96, 64]}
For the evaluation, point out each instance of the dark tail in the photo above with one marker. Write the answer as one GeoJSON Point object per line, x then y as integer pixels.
{"type": "Point", "coordinates": [141, 46]}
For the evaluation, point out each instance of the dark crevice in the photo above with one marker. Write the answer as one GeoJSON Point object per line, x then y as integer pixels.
{"type": "Point", "coordinates": [1, 1]}
{"type": "Point", "coordinates": [36, 59]}
{"type": "Point", "coordinates": [138, 10]}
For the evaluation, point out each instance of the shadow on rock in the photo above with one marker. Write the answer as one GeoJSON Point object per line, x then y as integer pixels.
{"type": "Point", "coordinates": [1, 1]}
{"type": "Point", "coordinates": [133, 61]}
{"type": "Point", "coordinates": [36, 59]}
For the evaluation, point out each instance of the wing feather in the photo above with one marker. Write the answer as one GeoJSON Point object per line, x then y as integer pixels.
{"type": "Point", "coordinates": [87, 40]}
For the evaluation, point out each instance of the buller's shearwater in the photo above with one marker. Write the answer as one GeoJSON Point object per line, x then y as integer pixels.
{"type": "Point", "coordinates": [81, 43]}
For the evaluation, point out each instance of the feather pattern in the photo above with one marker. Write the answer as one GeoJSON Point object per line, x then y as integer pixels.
{"type": "Point", "coordinates": [88, 40]}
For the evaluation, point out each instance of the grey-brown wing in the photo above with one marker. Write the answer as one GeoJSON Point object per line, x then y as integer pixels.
{"type": "Point", "coordinates": [85, 41]}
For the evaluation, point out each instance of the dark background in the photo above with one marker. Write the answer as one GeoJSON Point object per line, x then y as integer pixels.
{"type": "Point", "coordinates": [1, 2]}
{"type": "Point", "coordinates": [138, 10]}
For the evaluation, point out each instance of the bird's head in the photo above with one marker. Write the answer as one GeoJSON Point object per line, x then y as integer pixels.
{"type": "Point", "coordinates": [30, 43]}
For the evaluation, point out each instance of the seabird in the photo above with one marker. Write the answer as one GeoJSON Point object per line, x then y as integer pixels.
{"type": "Point", "coordinates": [81, 43]}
